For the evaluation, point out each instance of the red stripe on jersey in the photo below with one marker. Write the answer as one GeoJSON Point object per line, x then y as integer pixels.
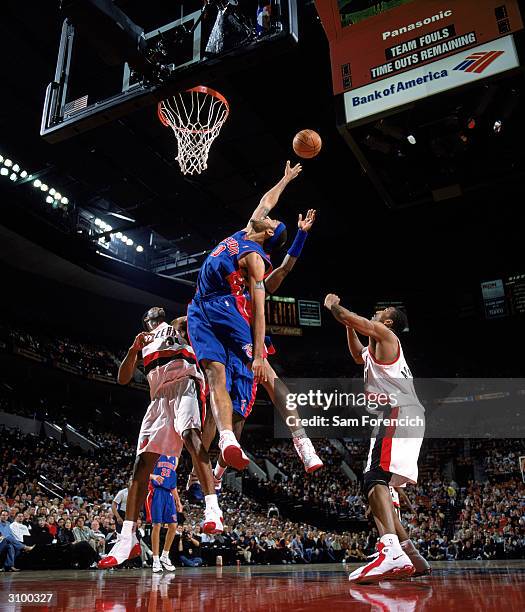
{"type": "Point", "coordinates": [149, 500]}
{"type": "Point", "coordinates": [169, 353]}
{"type": "Point", "coordinates": [252, 400]}
{"type": "Point", "coordinates": [386, 363]}
{"type": "Point", "coordinates": [386, 446]}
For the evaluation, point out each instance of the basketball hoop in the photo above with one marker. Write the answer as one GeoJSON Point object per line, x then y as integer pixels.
{"type": "Point", "coordinates": [196, 116]}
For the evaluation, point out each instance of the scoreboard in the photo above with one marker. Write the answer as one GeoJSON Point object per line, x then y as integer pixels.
{"type": "Point", "coordinates": [285, 316]}
{"type": "Point", "coordinates": [502, 297]}
{"type": "Point", "coordinates": [408, 35]}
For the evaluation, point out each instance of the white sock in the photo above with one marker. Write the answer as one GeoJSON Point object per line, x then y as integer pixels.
{"type": "Point", "coordinates": [219, 471]}
{"type": "Point", "coordinates": [391, 540]}
{"type": "Point", "coordinates": [211, 502]}
{"type": "Point", "coordinates": [165, 555]}
{"type": "Point", "coordinates": [156, 559]}
{"type": "Point", "coordinates": [128, 527]}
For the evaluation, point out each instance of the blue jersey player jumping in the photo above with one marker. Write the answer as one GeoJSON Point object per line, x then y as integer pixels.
{"type": "Point", "coordinates": [162, 504]}
{"type": "Point", "coordinates": [227, 312]}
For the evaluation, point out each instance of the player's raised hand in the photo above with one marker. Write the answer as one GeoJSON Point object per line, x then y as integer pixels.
{"type": "Point", "coordinates": [292, 172]}
{"type": "Point", "coordinates": [331, 300]}
{"type": "Point", "coordinates": [141, 340]}
{"type": "Point", "coordinates": [306, 223]}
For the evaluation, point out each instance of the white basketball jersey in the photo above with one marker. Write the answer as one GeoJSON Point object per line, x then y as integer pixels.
{"type": "Point", "coordinates": [390, 378]}
{"type": "Point", "coordinates": [168, 359]}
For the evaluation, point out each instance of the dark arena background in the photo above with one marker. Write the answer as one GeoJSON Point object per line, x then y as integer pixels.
{"type": "Point", "coordinates": [106, 212]}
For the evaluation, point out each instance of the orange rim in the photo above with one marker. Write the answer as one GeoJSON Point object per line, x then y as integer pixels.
{"type": "Point", "coordinates": [199, 89]}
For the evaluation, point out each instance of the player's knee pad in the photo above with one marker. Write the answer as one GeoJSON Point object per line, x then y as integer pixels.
{"type": "Point", "coordinates": [375, 477]}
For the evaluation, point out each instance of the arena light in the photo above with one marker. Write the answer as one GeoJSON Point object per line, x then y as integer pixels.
{"type": "Point", "coordinates": [58, 195]}
{"type": "Point", "coordinates": [129, 242]}
{"type": "Point", "coordinates": [44, 187]}
{"type": "Point", "coordinates": [98, 222]}
{"type": "Point", "coordinates": [23, 174]}
{"type": "Point", "coordinates": [1, 158]}
{"type": "Point", "coordinates": [498, 126]}
{"type": "Point", "coordinates": [64, 200]}
{"type": "Point", "coordinates": [52, 191]}
{"type": "Point", "coordinates": [13, 176]}
{"type": "Point", "coordinates": [140, 249]}
{"type": "Point", "coordinates": [118, 235]}
{"type": "Point", "coordinates": [119, 216]}
{"type": "Point", "coordinates": [49, 199]}
{"type": "Point", "coordinates": [37, 183]}
{"type": "Point", "coordinates": [16, 168]}
{"type": "Point", "coordinates": [411, 139]}
{"type": "Point", "coordinates": [124, 238]}
{"type": "Point", "coordinates": [8, 163]}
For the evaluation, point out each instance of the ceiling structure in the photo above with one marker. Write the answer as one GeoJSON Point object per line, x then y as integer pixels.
{"type": "Point", "coordinates": [129, 167]}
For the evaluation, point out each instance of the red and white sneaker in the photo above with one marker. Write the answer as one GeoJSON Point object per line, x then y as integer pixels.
{"type": "Point", "coordinates": [306, 451]}
{"type": "Point", "coordinates": [124, 549]}
{"type": "Point", "coordinates": [390, 564]}
{"type": "Point", "coordinates": [213, 521]}
{"type": "Point", "coordinates": [232, 452]}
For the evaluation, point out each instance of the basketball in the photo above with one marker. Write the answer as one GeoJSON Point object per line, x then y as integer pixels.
{"type": "Point", "coordinates": [307, 144]}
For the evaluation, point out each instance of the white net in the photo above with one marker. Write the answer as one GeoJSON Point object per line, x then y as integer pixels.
{"type": "Point", "coordinates": [196, 117]}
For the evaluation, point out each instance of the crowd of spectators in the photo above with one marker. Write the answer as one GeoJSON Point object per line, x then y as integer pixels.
{"type": "Point", "coordinates": [58, 499]}
{"type": "Point", "coordinates": [76, 357]}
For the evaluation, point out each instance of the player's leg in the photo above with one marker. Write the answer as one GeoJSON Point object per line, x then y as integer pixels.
{"type": "Point", "coordinates": [221, 407]}
{"type": "Point", "coordinates": [392, 561]}
{"type": "Point", "coordinates": [165, 557]}
{"type": "Point", "coordinates": [278, 392]}
{"type": "Point", "coordinates": [128, 545]}
{"type": "Point", "coordinates": [189, 412]}
{"type": "Point", "coordinates": [155, 547]}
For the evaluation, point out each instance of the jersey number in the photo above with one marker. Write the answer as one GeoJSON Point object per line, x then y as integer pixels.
{"type": "Point", "coordinates": [230, 243]}
{"type": "Point", "coordinates": [165, 473]}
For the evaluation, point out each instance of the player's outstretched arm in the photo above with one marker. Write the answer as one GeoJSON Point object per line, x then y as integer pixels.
{"type": "Point", "coordinates": [255, 268]}
{"type": "Point", "coordinates": [372, 329]}
{"type": "Point", "coordinates": [129, 364]}
{"type": "Point", "coordinates": [270, 198]}
{"type": "Point", "coordinates": [275, 279]}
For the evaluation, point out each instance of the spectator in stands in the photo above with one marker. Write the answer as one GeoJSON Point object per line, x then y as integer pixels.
{"type": "Point", "coordinates": [81, 532]}
{"type": "Point", "coordinates": [65, 534]}
{"type": "Point", "coordinates": [40, 535]}
{"type": "Point", "coordinates": [188, 546]}
{"type": "Point", "coordinates": [118, 507]}
{"type": "Point", "coordinates": [98, 539]}
{"type": "Point", "coordinates": [10, 543]}
{"type": "Point", "coordinates": [19, 529]}
{"type": "Point", "coordinates": [52, 527]}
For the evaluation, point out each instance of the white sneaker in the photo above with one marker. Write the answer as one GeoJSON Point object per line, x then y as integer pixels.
{"type": "Point", "coordinates": [232, 452]}
{"type": "Point", "coordinates": [306, 451]}
{"type": "Point", "coordinates": [156, 567]}
{"type": "Point", "coordinates": [167, 564]}
{"type": "Point", "coordinates": [390, 564]}
{"type": "Point", "coordinates": [213, 521]}
{"type": "Point", "coordinates": [124, 549]}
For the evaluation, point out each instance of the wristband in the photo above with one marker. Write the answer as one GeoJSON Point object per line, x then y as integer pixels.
{"type": "Point", "coordinates": [298, 243]}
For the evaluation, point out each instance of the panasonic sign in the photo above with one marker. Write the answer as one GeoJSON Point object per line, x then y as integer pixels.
{"type": "Point", "coordinates": [417, 24]}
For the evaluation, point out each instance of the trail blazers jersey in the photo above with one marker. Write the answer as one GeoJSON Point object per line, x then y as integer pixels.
{"type": "Point", "coordinates": [168, 359]}
{"type": "Point", "coordinates": [389, 378]}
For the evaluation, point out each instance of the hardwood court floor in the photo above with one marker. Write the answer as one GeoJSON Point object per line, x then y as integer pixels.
{"type": "Point", "coordinates": [474, 585]}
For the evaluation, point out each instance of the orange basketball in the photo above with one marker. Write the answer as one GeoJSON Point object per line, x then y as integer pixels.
{"type": "Point", "coordinates": [307, 144]}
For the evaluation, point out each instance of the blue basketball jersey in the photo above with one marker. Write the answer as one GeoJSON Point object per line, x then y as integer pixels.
{"type": "Point", "coordinates": [166, 467]}
{"type": "Point", "coordinates": [220, 274]}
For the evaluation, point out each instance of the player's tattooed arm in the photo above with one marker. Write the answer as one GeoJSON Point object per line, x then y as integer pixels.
{"type": "Point", "coordinates": [372, 329]}
{"type": "Point", "coordinates": [271, 197]}
{"type": "Point", "coordinates": [255, 269]}
{"type": "Point", "coordinates": [129, 364]}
